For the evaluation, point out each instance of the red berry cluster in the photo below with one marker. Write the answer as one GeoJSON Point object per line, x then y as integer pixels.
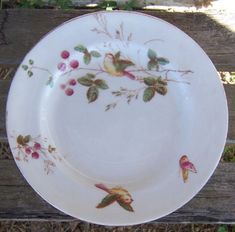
{"type": "Point", "coordinates": [68, 87]}
{"type": "Point", "coordinates": [62, 66]}
{"type": "Point", "coordinates": [33, 150]}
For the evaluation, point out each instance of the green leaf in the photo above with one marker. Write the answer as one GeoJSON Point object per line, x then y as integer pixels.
{"type": "Point", "coordinates": [90, 75]}
{"type": "Point", "coordinates": [95, 54]}
{"type": "Point", "coordinates": [161, 90]}
{"type": "Point", "coordinates": [50, 81]}
{"type": "Point", "coordinates": [87, 58]}
{"type": "Point", "coordinates": [152, 65]}
{"type": "Point", "coordinates": [161, 82]}
{"type": "Point", "coordinates": [92, 94]}
{"type": "Point", "coordinates": [232, 74]}
{"type": "Point", "coordinates": [109, 199]}
{"type": "Point", "coordinates": [129, 5]}
{"type": "Point", "coordinates": [232, 79]}
{"type": "Point", "coordinates": [163, 61]}
{"type": "Point", "coordinates": [101, 84]}
{"type": "Point", "coordinates": [150, 81]}
{"type": "Point", "coordinates": [222, 228]}
{"type": "Point", "coordinates": [148, 94]}
{"type": "Point", "coordinates": [80, 48]}
{"type": "Point", "coordinates": [121, 65]}
{"type": "Point", "coordinates": [63, 4]}
{"type": "Point", "coordinates": [229, 153]}
{"type": "Point", "coordinates": [117, 55]}
{"type": "Point", "coordinates": [233, 228]}
{"type": "Point", "coordinates": [125, 206]}
{"type": "Point", "coordinates": [30, 4]}
{"type": "Point", "coordinates": [31, 62]}
{"type": "Point", "coordinates": [86, 81]}
{"type": "Point", "coordinates": [30, 73]}
{"type": "Point", "coordinates": [25, 67]}
{"type": "Point", "coordinates": [151, 54]}
{"type": "Point", "coordinates": [27, 138]}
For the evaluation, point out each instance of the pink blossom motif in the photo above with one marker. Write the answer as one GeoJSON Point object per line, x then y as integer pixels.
{"type": "Point", "coordinates": [64, 54]}
{"type": "Point", "coordinates": [74, 64]}
{"type": "Point", "coordinates": [189, 166]}
{"type": "Point", "coordinates": [30, 148]}
{"type": "Point", "coordinates": [61, 66]}
{"type": "Point", "coordinates": [62, 86]}
{"type": "Point", "coordinates": [69, 91]}
{"type": "Point", "coordinates": [37, 146]}
{"type": "Point", "coordinates": [72, 82]}
{"type": "Point", "coordinates": [35, 155]}
{"type": "Point", "coordinates": [186, 167]}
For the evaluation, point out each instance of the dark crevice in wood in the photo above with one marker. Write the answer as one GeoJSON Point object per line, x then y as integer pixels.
{"type": "Point", "coordinates": [3, 40]}
{"type": "Point", "coordinates": [5, 151]}
{"type": "Point", "coordinates": [10, 185]}
{"type": "Point", "coordinates": [36, 216]}
{"type": "Point", "coordinates": [57, 216]}
{"type": "Point", "coordinates": [6, 73]}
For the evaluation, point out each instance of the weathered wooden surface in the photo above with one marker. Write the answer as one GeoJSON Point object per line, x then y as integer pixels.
{"type": "Point", "coordinates": [21, 29]}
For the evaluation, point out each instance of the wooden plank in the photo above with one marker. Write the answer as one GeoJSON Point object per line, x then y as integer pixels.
{"type": "Point", "coordinates": [171, 4]}
{"type": "Point", "coordinates": [3, 100]}
{"type": "Point", "coordinates": [230, 94]}
{"type": "Point", "coordinates": [215, 203]}
{"type": "Point", "coordinates": [21, 29]}
{"type": "Point", "coordinates": [84, 3]}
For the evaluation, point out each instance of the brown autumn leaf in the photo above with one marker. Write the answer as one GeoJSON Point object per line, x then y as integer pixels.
{"type": "Point", "coordinates": [20, 139]}
{"type": "Point", "coordinates": [101, 84]}
{"type": "Point", "coordinates": [26, 139]}
{"type": "Point", "coordinates": [92, 94]}
{"type": "Point", "coordinates": [161, 90]}
{"type": "Point", "coordinates": [85, 81]}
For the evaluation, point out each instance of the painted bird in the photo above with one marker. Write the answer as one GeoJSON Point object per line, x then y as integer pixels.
{"type": "Point", "coordinates": [186, 166]}
{"type": "Point", "coordinates": [118, 194]}
{"type": "Point", "coordinates": [115, 66]}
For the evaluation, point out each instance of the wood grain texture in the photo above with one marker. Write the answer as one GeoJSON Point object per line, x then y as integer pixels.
{"type": "Point", "coordinates": [230, 94]}
{"type": "Point", "coordinates": [22, 29]}
{"type": "Point", "coordinates": [214, 203]}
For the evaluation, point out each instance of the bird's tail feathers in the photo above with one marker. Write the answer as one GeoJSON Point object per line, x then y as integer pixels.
{"type": "Point", "coordinates": [129, 75]}
{"type": "Point", "coordinates": [103, 187]}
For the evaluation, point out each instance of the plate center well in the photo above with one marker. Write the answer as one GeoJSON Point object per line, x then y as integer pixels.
{"type": "Point", "coordinates": [107, 137]}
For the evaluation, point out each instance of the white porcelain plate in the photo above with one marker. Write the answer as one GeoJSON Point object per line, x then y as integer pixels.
{"type": "Point", "coordinates": [117, 118]}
